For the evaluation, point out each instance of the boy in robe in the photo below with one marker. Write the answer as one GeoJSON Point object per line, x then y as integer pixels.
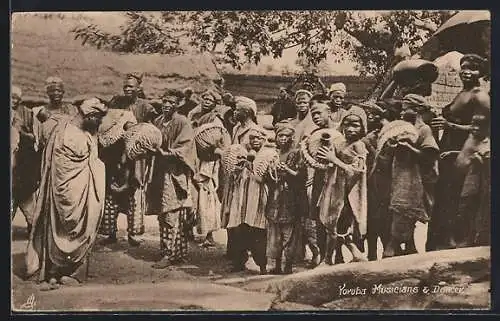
{"type": "Point", "coordinates": [244, 205]}
{"type": "Point", "coordinates": [314, 229]}
{"type": "Point", "coordinates": [413, 177]}
{"type": "Point", "coordinates": [343, 201]}
{"type": "Point", "coordinates": [169, 193]}
{"type": "Point", "coordinates": [288, 203]}
{"type": "Point", "coordinates": [71, 199]}
{"type": "Point", "coordinates": [337, 94]}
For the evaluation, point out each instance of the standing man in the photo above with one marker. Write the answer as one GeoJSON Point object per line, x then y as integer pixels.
{"type": "Point", "coordinates": [337, 94]}
{"type": "Point", "coordinates": [189, 103]}
{"type": "Point", "coordinates": [47, 117]}
{"type": "Point", "coordinates": [125, 178]}
{"type": "Point", "coordinates": [303, 121]}
{"type": "Point", "coordinates": [284, 107]}
{"type": "Point", "coordinates": [26, 161]}
{"type": "Point", "coordinates": [244, 114]}
{"type": "Point", "coordinates": [71, 199]}
{"type": "Point", "coordinates": [169, 194]}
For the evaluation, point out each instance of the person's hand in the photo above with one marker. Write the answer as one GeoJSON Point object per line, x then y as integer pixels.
{"type": "Point", "coordinates": [281, 166]}
{"type": "Point", "coordinates": [439, 123]}
{"type": "Point", "coordinates": [477, 157]}
{"type": "Point", "coordinates": [405, 144]}
{"type": "Point", "coordinates": [117, 188]}
{"type": "Point", "coordinates": [163, 153]}
{"type": "Point", "coordinates": [327, 154]}
{"type": "Point", "coordinates": [448, 153]}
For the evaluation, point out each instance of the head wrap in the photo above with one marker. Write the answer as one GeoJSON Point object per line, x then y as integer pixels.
{"type": "Point", "coordinates": [319, 106]}
{"type": "Point", "coordinates": [301, 92]}
{"type": "Point", "coordinates": [173, 92]}
{"type": "Point", "coordinates": [338, 87]}
{"type": "Point", "coordinates": [213, 93]}
{"type": "Point", "coordinates": [135, 75]}
{"type": "Point", "coordinates": [257, 131]}
{"type": "Point", "coordinates": [372, 107]}
{"type": "Point", "coordinates": [16, 91]}
{"type": "Point", "coordinates": [476, 60]}
{"type": "Point", "coordinates": [284, 126]}
{"type": "Point", "coordinates": [246, 103]}
{"type": "Point", "coordinates": [415, 100]}
{"type": "Point", "coordinates": [54, 82]}
{"type": "Point", "coordinates": [93, 105]}
{"type": "Point", "coordinates": [359, 112]}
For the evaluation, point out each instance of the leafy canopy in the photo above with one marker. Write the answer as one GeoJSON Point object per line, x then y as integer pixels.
{"type": "Point", "coordinates": [241, 37]}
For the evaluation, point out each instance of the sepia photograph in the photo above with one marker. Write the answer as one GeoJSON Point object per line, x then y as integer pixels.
{"type": "Point", "coordinates": [319, 161]}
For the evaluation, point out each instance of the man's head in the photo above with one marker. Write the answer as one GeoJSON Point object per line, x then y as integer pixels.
{"type": "Point", "coordinates": [188, 93]}
{"type": "Point", "coordinates": [228, 100]}
{"type": "Point", "coordinates": [15, 96]}
{"type": "Point", "coordinates": [246, 108]}
{"type": "Point", "coordinates": [92, 111]}
{"type": "Point", "coordinates": [170, 101]}
{"type": "Point", "coordinates": [337, 95]}
{"type": "Point", "coordinates": [256, 138]}
{"type": "Point", "coordinates": [480, 127]}
{"type": "Point", "coordinates": [472, 68]}
{"type": "Point", "coordinates": [302, 100]}
{"type": "Point", "coordinates": [209, 100]}
{"type": "Point", "coordinates": [283, 93]}
{"type": "Point", "coordinates": [55, 89]}
{"type": "Point", "coordinates": [320, 113]}
{"type": "Point", "coordinates": [374, 115]}
{"type": "Point", "coordinates": [413, 106]}
{"type": "Point", "coordinates": [284, 134]}
{"type": "Point", "coordinates": [131, 86]}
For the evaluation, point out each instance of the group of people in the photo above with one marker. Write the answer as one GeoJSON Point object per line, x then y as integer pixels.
{"type": "Point", "coordinates": [332, 174]}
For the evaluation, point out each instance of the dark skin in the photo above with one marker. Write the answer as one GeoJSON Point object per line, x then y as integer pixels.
{"type": "Point", "coordinates": [353, 127]}
{"type": "Point", "coordinates": [302, 105]}
{"type": "Point", "coordinates": [169, 106]}
{"type": "Point", "coordinates": [131, 88]}
{"type": "Point", "coordinates": [471, 96]}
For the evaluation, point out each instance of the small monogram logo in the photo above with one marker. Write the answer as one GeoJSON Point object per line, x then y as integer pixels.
{"type": "Point", "coordinates": [30, 303]}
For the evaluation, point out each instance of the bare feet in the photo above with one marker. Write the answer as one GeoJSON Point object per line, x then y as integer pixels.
{"type": "Point", "coordinates": [109, 240]}
{"type": "Point", "coordinates": [162, 264]}
{"type": "Point", "coordinates": [133, 242]}
{"type": "Point", "coordinates": [69, 281]}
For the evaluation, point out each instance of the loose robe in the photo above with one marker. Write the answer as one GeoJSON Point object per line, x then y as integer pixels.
{"type": "Point", "coordinates": [70, 202]}
{"type": "Point", "coordinates": [43, 130]}
{"type": "Point", "coordinates": [240, 133]}
{"type": "Point", "coordinates": [170, 187]}
{"type": "Point", "coordinates": [245, 199]}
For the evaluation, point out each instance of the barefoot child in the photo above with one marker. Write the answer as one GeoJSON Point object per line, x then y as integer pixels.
{"type": "Point", "coordinates": [287, 201]}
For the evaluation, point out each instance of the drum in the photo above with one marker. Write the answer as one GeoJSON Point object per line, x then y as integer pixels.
{"type": "Point", "coordinates": [398, 130]}
{"type": "Point", "coordinates": [327, 137]}
{"type": "Point", "coordinates": [231, 157]}
{"type": "Point", "coordinates": [265, 159]}
{"type": "Point", "coordinates": [111, 128]}
{"type": "Point", "coordinates": [208, 137]}
{"type": "Point", "coordinates": [141, 139]}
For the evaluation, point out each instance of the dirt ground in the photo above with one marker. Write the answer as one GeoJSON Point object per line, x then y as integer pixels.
{"type": "Point", "coordinates": [120, 264]}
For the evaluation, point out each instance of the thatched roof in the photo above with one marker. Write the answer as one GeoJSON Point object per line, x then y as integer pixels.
{"type": "Point", "coordinates": [45, 47]}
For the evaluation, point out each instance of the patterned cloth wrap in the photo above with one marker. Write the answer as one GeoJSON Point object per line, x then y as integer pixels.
{"type": "Point", "coordinates": [398, 130]}
{"type": "Point", "coordinates": [231, 157]}
{"type": "Point", "coordinates": [208, 137]}
{"type": "Point", "coordinates": [310, 146]}
{"type": "Point", "coordinates": [265, 160]}
{"type": "Point", "coordinates": [111, 129]}
{"type": "Point", "coordinates": [141, 139]}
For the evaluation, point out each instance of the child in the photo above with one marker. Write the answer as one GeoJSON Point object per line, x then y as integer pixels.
{"type": "Point", "coordinates": [287, 201]}
{"type": "Point", "coordinates": [343, 202]}
{"type": "Point", "coordinates": [245, 201]}
{"type": "Point", "coordinates": [414, 174]}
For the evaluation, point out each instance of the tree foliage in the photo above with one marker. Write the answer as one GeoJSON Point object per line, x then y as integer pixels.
{"type": "Point", "coordinates": [240, 37]}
